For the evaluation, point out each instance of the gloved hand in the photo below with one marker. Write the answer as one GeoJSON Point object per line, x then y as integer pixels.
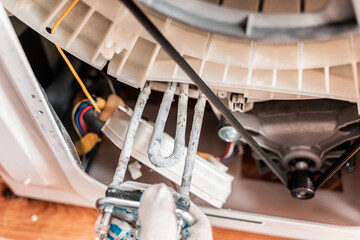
{"type": "Point", "coordinates": [158, 219]}
{"type": "Point", "coordinates": [119, 230]}
{"type": "Point", "coordinates": [202, 227]}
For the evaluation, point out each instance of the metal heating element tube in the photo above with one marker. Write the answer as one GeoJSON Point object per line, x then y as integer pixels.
{"type": "Point", "coordinates": [192, 147]}
{"type": "Point", "coordinates": [155, 142]}
{"type": "Point", "coordinates": [130, 137]}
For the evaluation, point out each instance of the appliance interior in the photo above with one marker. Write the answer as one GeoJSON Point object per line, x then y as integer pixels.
{"type": "Point", "coordinates": [293, 84]}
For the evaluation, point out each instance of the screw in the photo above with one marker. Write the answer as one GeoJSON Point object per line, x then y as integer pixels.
{"type": "Point", "coordinates": [228, 134]}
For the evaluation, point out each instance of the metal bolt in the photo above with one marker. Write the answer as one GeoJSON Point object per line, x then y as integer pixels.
{"type": "Point", "coordinates": [302, 184]}
{"type": "Point", "coordinates": [229, 134]}
{"type": "Point", "coordinates": [105, 223]}
{"type": "Point", "coordinates": [302, 165]}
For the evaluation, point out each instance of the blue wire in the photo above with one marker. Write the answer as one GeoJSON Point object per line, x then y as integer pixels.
{"type": "Point", "coordinates": [83, 105]}
{"type": "Point", "coordinates": [78, 124]}
{"type": "Point", "coordinates": [226, 160]}
{"type": "Point", "coordinates": [88, 157]}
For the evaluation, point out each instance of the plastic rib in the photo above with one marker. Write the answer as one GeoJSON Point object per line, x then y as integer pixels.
{"type": "Point", "coordinates": [192, 147]}
{"type": "Point", "coordinates": [155, 142]}
{"type": "Point", "coordinates": [165, 44]}
{"type": "Point", "coordinates": [130, 137]}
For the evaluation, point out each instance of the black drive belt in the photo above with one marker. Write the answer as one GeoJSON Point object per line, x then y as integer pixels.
{"type": "Point", "coordinates": [166, 45]}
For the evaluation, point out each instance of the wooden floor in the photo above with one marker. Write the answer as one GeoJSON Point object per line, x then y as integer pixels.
{"type": "Point", "coordinates": [28, 219]}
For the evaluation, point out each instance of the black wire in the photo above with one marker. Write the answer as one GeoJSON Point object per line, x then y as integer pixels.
{"type": "Point", "coordinates": [166, 45]}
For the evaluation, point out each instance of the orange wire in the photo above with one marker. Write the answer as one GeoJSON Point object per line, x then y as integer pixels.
{"type": "Point", "coordinates": [78, 79]}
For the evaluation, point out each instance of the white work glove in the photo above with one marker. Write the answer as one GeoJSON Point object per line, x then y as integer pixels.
{"type": "Point", "coordinates": [201, 229]}
{"type": "Point", "coordinates": [158, 219]}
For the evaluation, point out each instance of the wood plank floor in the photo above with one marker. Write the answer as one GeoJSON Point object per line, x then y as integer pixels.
{"type": "Point", "coordinates": [28, 219]}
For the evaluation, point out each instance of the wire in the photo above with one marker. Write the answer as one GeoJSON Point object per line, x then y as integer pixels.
{"type": "Point", "coordinates": [78, 125]}
{"type": "Point", "coordinates": [81, 115]}
{"type": "Point", "coordinates": [111, 85]}
{"type": "Point", "coordinates": [82, 85]}
{"type": "Point", "coordinates": [228, 146]}
{"type": "Point", "coordinates": [231, 151]}
{"type": "Point", "coordinates": [63, 15]}
{"type": "Point", "coordinates": [234, 154]}
{"type": "Point", "coordinates": [75, 117]}
{"type": "Point", "coordinates": [86, 158]}
{"type": "Point", "coordinates": [73, 113]}
{"type": "Point", "coordinates": [77, 121]}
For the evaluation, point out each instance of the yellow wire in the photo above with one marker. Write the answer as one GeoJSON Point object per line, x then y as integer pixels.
{"type": "Point", "coordinates": [63, 15]}
{"type": "Point", "coordinates": [82, 85]}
